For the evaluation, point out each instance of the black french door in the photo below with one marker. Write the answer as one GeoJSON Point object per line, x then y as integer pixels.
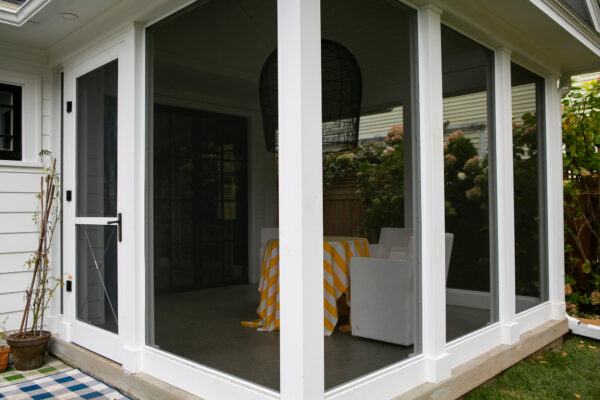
{"type": "Point", "coordinates": [200, 201]}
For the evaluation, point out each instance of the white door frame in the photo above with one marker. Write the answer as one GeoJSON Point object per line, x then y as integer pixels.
{"type": "Point", "coordinates": [93, 338]}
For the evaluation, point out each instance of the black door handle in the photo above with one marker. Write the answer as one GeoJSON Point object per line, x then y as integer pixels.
{"type": "Point", "coordinates": [119, 223]}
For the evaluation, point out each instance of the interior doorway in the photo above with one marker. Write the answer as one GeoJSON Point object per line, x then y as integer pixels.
{"type": "Point", "coordinates": [200, 199]}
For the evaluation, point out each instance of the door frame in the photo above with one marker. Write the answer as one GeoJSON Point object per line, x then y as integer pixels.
{"type": "Point", "coordinates": [96, 339]}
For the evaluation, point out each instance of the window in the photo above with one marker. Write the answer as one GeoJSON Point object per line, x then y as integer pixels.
{"type": "Point", "coordinates": [528, 143]}
{"type": "Point", "coordinates": [471, 284]}
{"type": "Point", "coordinates": [373, 304]}
{"type": "Point", "coordinates": [10, 122]}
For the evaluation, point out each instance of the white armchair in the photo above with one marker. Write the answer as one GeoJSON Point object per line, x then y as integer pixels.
{"type": "Point", "coordinates": [390, 240]}
{"type": "Point", "coordinates": [383, 297]}
{"type": "Point", "coordinates": [449, 242]}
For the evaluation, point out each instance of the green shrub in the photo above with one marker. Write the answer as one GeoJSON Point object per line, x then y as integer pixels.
{"type": "Point", "coordinates": [581, 162]}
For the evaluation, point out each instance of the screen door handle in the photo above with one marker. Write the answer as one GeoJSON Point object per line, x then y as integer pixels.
{"type": "Point", "coordinates": [119, 223]}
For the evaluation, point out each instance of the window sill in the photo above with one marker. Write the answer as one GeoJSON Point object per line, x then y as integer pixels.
{"type": "Point", "coordinates": [20, 164]}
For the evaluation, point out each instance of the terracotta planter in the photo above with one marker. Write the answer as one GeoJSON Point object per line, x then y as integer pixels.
{"type": "Point", "coordinates": [28, 352]}
{"type": "Point", "coordinates": [4, 352]}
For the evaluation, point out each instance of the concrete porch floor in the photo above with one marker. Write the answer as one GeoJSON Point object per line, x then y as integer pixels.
{"type": "Point", "coordinates": [205, 326]}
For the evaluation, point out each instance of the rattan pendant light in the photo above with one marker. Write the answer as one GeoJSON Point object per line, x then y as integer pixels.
{"type": "Point", "coordinates": [342, 95]}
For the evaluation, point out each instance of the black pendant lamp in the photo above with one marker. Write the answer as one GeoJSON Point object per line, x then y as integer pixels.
{"type": "Point", "coordinates": [342, 95]}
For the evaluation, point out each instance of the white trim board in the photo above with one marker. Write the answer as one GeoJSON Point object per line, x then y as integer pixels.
{"type": "Point", "coordinates": [198, 379]}
{"type": "Point", "coordinates": [481, 300]}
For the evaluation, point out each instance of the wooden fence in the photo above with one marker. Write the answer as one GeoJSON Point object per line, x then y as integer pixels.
{"type": "Point", "coordinates": [342, 211]}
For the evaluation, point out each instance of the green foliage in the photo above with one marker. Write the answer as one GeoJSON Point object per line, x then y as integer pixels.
{"type": "Point", "coordinates": [581, 162]}
{"type": "Point", "coordinates": [568, 372]}
{"type": "Point", "coordinates": [526, 192]}
{"type": "Point", "coordinates": [466, 198]}
{"type": "Point", "coordinates": [3, 331]}
{"type": "Point", "coordinates": [379, 172]}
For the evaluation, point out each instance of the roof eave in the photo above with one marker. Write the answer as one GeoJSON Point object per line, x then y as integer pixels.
{"type": "Point", "coordinates": [22, 14]}
{"type": "Point", "coordinates": [571, 22]}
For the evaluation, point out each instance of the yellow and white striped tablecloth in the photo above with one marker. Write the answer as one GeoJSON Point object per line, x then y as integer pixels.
{"type": "Point", "coordinates": [337, 252]}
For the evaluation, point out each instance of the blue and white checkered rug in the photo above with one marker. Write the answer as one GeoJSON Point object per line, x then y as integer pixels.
{"type": "Point", "coordinates": [72, 384]}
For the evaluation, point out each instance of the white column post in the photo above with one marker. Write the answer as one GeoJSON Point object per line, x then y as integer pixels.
{"type": "Point", "coordinates": [300, 199]}
{"type": "Point", "coordinates": [504, 192]}
{"type": "Point", "coordinates": [554, 198]}
{"type": "Point", "coordinates": [131, 279]}
{"type": "Point", "coordinates": [430, 142]}
{"type": "Point", "coordinates": [135, 338]}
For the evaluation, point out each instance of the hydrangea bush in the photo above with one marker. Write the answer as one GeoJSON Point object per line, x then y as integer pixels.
{"type": "Point", "coordinates": [581, 161]}
{"type": "Point", "coordinates": [466, 202]}
{"type": "Point", "coordinates": [378, 169]}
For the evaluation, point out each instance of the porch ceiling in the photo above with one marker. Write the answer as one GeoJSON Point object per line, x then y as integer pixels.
{"type": "Point", "coordinates": [225, 43]}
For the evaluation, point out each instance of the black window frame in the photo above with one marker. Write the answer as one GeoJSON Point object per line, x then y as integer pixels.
{"type": "Point", "coordinates": [16, 153]}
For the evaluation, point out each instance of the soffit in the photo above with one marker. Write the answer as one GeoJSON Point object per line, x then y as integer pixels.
{"type": "Point", "coordinates": [545, 43]}
{"type": "Point", "coordinates": [46, 26]}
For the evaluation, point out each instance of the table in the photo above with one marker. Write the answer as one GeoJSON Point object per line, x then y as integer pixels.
{"type": "Point", "coordinates": [337, 252]}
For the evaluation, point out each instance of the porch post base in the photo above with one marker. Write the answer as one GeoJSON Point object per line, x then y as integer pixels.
{"type": "Point", "coordinates": [438, 368]}
{"type": "Point", "coordinates": [131, 359]}
{"type": "Point", "coordinates": [510, 333]}
{"type": "Point", "coordinates": [64, 330]}
{"type": "Point", "coordinates": [558, 310]}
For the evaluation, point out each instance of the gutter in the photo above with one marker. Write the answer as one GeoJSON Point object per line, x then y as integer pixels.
{"type": "Point", "coordinates": [582, 329]}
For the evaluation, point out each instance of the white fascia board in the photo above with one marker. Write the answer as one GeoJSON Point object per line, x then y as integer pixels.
{"type": "Point", "coordinates": [21, 15]}
{"type": "Point", "coordinates": [570, 22]}
{"type": "Point", "coordinates": [594, 10]}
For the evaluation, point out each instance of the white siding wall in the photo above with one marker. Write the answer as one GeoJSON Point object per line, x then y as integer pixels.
{"type": "Point", "coordinates": [19, 183]}
{"type": "Point", "coordinates": [458, 110]}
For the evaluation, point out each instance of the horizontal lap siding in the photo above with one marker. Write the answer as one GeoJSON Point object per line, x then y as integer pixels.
{"type": "Point", "coordinates": [20, 183]}
{"type": "Point", "coordinates": [18, 203]}
{"type": "Point", "coordinates": [22, 221]}
{"type": "Point", "coordinates": [12, 302]}
{"type": "Point", "coordinates": [13, 319]}
{"type": "Point", "coordinates": [17, 242]}
{"type": "Point", "coordinates": [12, 262]}
{"type": "Point", "coordinates": [18, 239]}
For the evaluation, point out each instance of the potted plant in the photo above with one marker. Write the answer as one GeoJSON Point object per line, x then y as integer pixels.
{"type": "Point", "coordinates": [4, 349]}
{"type": "Point", "coordinates": [29, 343]}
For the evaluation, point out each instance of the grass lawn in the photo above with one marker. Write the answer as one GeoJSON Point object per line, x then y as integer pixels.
{"type": "Point", "coordinates": [569, 372]}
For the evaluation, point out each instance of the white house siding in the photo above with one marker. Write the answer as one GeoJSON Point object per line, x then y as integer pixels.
{"type": "Point", "coordinates": [579, 79]}
{"type": "Point", "coordinates": [19, 183]}
{"type": "Point", "coordinates": [469, 109]}
{"type": "Point", "coordinates": [377, 125]}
